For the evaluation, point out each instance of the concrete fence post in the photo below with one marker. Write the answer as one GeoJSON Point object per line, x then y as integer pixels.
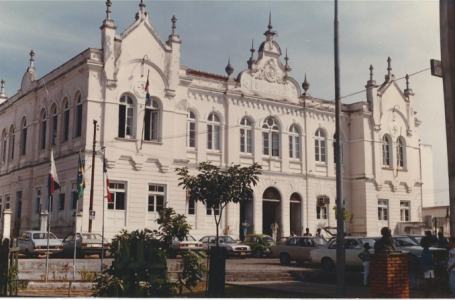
{"type": "Point", "coordinates": [7, 223]}
{"type": "Point", "coordinates": [44, 214]}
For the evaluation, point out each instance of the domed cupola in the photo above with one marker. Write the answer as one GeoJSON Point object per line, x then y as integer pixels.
{"type": "Point", "coordinates": [269, 45]}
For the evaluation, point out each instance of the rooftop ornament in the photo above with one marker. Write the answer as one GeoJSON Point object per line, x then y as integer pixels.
{"type": "Point", "coordinates": [229, 69]}
{"type": "Point", "coordinates": [305, 86]}
{"type": "Point", "coordinates": [251, 61]}
{"type": "Point", "coordinates": [389, 69]}
{"type": "Point", "coordinates": [2, 91]}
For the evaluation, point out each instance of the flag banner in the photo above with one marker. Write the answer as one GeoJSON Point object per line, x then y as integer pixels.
{"type": "Point", "coordinates": [108, 195]}
{"type": "Point", "coordinates": [52, 182]}
{"type": "Point", "coordinates": [148, 100]}
{"type": "Point", "coordinates": [80, 179]}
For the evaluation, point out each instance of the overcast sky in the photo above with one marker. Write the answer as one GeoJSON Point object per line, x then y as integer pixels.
{"type": "Point", "coordinates": [370, 31]}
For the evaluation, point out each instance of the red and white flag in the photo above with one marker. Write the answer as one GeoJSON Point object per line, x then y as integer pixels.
{"type": "Point", "coordinates": [52, 181]}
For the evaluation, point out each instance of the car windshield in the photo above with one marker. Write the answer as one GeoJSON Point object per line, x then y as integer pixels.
{"type": "Point", "coordinates": [319, 241]}
{"type": "Point", "coordinates": [226, 239]}
{"type": "Point", "coordinates": [92, 236]}
{"type": "Point", "coordinates": [267, 238]}
{"type": "Point", "coordinates": [404, 242]}
{"type": "Point", "coordinates": [282, 240]}
{"type": "Point", "coordinates": [418, 238]}
{"type": "Point", "coordinates": [187, 238]}
{"type": "Point", "coordinates": [43, 235]}
{"type": "Point", "coordinates": [369, 241]}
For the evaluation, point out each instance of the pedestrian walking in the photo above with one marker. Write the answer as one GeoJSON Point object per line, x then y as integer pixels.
{"type": "Point", "coordinates": [245, 226]}
{"type": "Point", "coordinates": [365, 257]}
{"type": "Point", "coordinates": [319, 234]}
{"type": "Point", "coordinates": [451, 264]}
{"type": "Point", "coordinates": [307, 232]}
{"type": "Point", "coordinates": [427, 264]}
{"type": "Point", "coordinates": [274, 228]}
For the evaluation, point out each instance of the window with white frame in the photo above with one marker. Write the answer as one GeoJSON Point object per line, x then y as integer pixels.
{"type": "Point", "coordinates": [118, 196]}
{"type": "Point", "coordinates": [400, 152]}
{"type": "Point", "coordinates": [404, 211]}
{"type": "Point", "coordinates": [270, 137]}
{"type": "Point", "coordinates": [156, 197]}
{"type": "Point", "coordinates": [191, 129]}
{"type": "Point", "coordinates": [246, 136]}
{"type": "Point", "coordinates": [43, 130]}
{"type": "Point", "coordinates": [386, 153]}
{"type": "Point", "coordinates": [23, 149]}
{"type": "Point", "coordinates": [213, 211]}
{"type": "Point", "coordinates": [383, 210]}
{"type": "Point", "coordinates": [152, 122]}
{"type": "Point", "coordinates": [294, 142]}
{"type": "Point", "coordinates": [319, 146]}
{"type": "Point", "coordinates": [79, 110]}
{"type": "Point", "coordinates": [334, 150]}
{"type": "Point", "coordinates": [66, 121]}
{"type": "Point", "coordinates": [54, 127]}
{"type": "Point", "coordinates": [4, 149]}
{"type": "Point", "coordinates": [213, 132]}
{"type": "Point", "coordinates": [38, 197]}
{"type": "Point", "coordinates": [12, 141]}
{"type": "Point", "coordinates": [322, 208]}
{"type": "Point", "coordinates": [126, 117]}
{"type": "Point", "coordinates": [7, 201]}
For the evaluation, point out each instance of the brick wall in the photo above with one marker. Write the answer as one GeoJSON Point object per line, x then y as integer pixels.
{"type": "Point", "coordinates": [389, 276]}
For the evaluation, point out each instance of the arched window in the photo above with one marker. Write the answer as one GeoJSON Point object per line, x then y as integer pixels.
{"type": "Point", "coordinates": [152, 117]}
{"type": "Point", "coordinates": [54, 127]}
{"type": "Point", "coordinates": [12, 141]}
{"type": "Point", "coordinates": [386, 153]}
{"type": "Point", "coordinates": [4, 149]}
{"type": "Point", "coordinates": [43, 130]}
{"type": "Point", "coordinates": [270, 137]}
{"type": "Point", "coordinates": [213, 132]}
{"type": "Point", "coordinates": [66, 120]}
{"type": "Point", "coordinates": [126, 117]}
{"type": "Point", "coordinates": [246, 136]}
{"type": "Point", "coordinates": [294, 142]}
{"type": "Point", "coordinates": [78, 129]}
{"type": "Point", "coordinates": [401, 152]}
{"type": "Point", "coordinates": [319, 145]}
{"type": "Point", "coordinates": [191, 129]}
{"type": "Point", "coordinates": [23, 149]}
{"type": "Point", "coordinates": [334, 149]}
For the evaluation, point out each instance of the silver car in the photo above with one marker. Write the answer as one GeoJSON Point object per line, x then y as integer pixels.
{"type": "Point", "coordinates": [233, 248]}
{"type": "Point", "coordinates": [88, 243]}
{"type": "Point", "coordinates": [297, 248]}
{"type": "Point", "coordinates": [34, 243]}
{"type": "Point", "coordinates": [186, 244]}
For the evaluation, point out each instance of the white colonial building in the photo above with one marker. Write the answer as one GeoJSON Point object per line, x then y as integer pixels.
{"type": "Point", "coordinates": [261, 115]}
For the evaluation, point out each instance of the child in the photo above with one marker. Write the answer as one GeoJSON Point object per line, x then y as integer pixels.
{"type": "Point", "coordinates": [451, 264]}
{"type": "Point", "coordinates": [365, 257]}
{"type": "Point", "coordinates": [427, 263]}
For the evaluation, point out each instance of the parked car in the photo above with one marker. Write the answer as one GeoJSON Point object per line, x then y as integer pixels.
{"type": "Point", "coordinates": [34, 243]}
{"type": "Point", "coordinates": [233, 248]}
{"type": "Point", "coordinates": [434, 242]}
{"type": "Point", "coordinates": [326, 255]}
{"type": "Point", "coordinates": [184, 245]}
{"type": "Point", "coordinates": [297, 249]}
{"type": "Point", "coordinates": [260, 244]}
{"type": "Point", "coordinates": [87, 243]}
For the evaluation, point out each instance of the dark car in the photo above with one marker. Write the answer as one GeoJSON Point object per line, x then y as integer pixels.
{"type": "Point", "coordinates": [260, 244]}
{"type": "Point", "coordinates": [233, 248]}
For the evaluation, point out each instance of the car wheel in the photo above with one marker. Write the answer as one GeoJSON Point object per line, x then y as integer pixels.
{"type": "Point", "coordinates": [27, 253]}
{"type": "Point", "coordinates": [285, 259]}
{"type": "Point", "coordinates": [300, 262]}
{"type": "Point", "coordinates": [257, 253]}
{"type": "Point", "coordinates": [327, 264]}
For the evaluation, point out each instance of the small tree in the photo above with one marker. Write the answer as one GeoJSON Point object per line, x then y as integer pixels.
{"type": "Point", "coordinates": [216, 188]}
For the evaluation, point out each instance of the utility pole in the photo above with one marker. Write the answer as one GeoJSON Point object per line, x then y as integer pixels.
{"type": "Point", "coordinates": [93, 176]}
{"type": "Point", "coordinates": [446, 69]}
{"type": "Point", "coordinates": [341, 258]}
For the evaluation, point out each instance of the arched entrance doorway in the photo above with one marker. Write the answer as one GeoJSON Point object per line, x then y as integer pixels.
{"type": "Point", "coordinates": [295, 214]}
{"type": "Point", "coordinates": [246, 212]}
{"type": "Point", "coordinates": [271, 210]}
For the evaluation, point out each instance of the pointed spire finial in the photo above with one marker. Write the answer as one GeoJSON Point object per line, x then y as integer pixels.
{"type": "Point", "coordinates": [389, 66]}
{"type": "Point", "coordinates": [2, 91]}
{"type": "Point", "coordinates": [174, 20]}
{"type": "Point", "coordinates": [270, 33]}
{"type": "Point", "coordinates": [270, 20]}
{"type": "Point", "coordinates": [371, 72]}
{"type": "Point", "coordinates": [251, 60]}
{"type": "Point", "coordinates": [407, 81]}
{"type": "Point", "coordinates": [142, 6]}
{"type": "Point", "coordinates": [32, 53]}
{"type": "Point", "coordinates": [229, 69]}
{"type": "Point", "coordinates": [305, 85]}
{"type": "Point", "coordinates": [108, 10]}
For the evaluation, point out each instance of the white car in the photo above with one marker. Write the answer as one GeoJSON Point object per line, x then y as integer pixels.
{"type": "Point", "coordinates": [186, 244]}
{"type": "Point", "coordinates": [233, 248]}
{"type": "Point", "coordinates": [327, 256]}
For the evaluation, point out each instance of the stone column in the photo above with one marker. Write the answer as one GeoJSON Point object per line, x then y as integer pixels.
{"type": "Point", "coordinates": [44, 214]}
{"type": "Point", "coordinates": [7, 223]}
{"type": "Point", "coordinates": [389, 275]}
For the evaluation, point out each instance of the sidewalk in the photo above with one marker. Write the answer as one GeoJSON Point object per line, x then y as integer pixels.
{"type": "Point", "coordinates": [319, 290]}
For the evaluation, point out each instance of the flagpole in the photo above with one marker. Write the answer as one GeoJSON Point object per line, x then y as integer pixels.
{"type": "Point", "coordinates": [48, 232]}
{"type": "Point", "coordinates": [75, 240]}
{"type": "Point", "coordinates": [104, 189]}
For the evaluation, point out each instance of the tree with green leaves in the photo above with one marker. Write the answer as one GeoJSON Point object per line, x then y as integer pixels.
{"type": "Point", "coordinates": [215, 188]}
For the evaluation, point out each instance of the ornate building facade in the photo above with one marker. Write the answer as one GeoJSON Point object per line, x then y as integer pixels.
{"type": "Point", "coordinates": [262, 115]}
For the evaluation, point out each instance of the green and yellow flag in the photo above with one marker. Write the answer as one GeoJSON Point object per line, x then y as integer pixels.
{"type": "Point", "coordinates": [80, 179]}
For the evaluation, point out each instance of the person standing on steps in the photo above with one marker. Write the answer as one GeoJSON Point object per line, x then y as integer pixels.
{"type": "Point", "coordinates": [274, 228]}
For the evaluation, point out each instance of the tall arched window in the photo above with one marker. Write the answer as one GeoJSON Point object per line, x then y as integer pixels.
{"type": "Point", "coordinates": [386, 153]}
{"type": "Point", "coordinates": [401, 152]}
{"type": "Point", "coordinates": [191, 129]}
{"type": "Point", "coordinates": [334, 149]}
{"type": "Point", "coordinates": [66, 120]}
{"type": "Point", "coordinates": [126, 117]}
{"type": "Point", "coordinates": [23, 149]}
{"type": "Point", "coordinates": [43, 130]}
{"type": "Point", "coordinates": [12, 141]}
{"type": "Point", "coordinates": [319, 146]}
{"type": "Point", "coordinates": [246, 136]}
{"type": "Point", "coordinates": [4, 149]}
{"type": "Point", "coordinates": [54, 127]}
{"type": "Point", "coordinates": [78, 129]}
{"type": "Point", "coordinates": [294, 142]}
{"type": "Point", "coordinates": [270, 137]}
{"type": "Point", "coordinates": [152, 117]}
{"type": "Point", "coordinates": [213, 132]}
